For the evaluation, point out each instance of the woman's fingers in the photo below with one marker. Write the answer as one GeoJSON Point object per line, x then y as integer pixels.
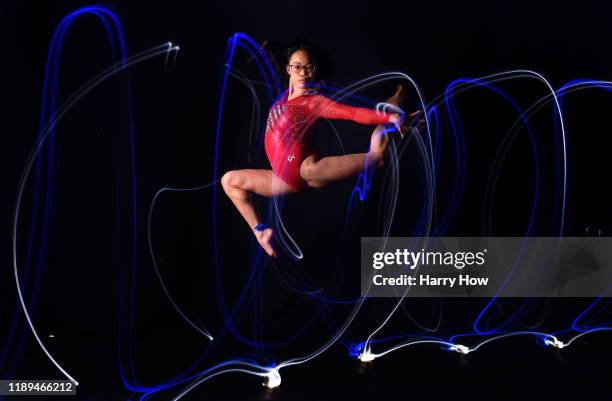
{"type": "Point", "coordinates": [416, 113]}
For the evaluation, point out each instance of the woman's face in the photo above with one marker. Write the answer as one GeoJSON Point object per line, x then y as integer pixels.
{"type": "Point", "coordinates": [300, 69]}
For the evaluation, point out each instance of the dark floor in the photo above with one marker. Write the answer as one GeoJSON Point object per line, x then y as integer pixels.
{"type": "Point", "coordinates": [510, 369]}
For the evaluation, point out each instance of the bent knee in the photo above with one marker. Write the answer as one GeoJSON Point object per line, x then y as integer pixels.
{"type": "Point", "coordinates": [231, 180]}
{"type": "Point", "coordinates": [308, 170]}
{"type": "Point", "coordinates": [310, 175]}
{"type": "Point", "coordinates": [226, 179]}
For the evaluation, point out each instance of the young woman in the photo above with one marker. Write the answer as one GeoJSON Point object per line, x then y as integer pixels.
{"type": "Point", "coordinates": [295, 166]}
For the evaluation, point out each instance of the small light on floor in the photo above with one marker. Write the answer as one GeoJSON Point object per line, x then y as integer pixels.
{"type": "Point", "coordinates": [462, 349]}
{"type": "Point", "coordinates": [366, 356]}
{"type": "Point", "coordinates": [273, 379]}
{"type": "Point", "coordinates": [553, 341]}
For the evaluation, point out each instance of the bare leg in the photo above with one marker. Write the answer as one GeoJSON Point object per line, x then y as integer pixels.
{"type": "Point", "coordinates": [321, 172]}
{"type": "Point", "coordinates": [240, 184]}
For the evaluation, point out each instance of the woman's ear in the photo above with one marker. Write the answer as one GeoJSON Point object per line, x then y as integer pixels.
{"type": "Point", "coordinates": [288, 68]}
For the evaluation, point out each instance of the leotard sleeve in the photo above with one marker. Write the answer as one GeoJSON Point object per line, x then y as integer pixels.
{"type": "Point", "coordinates": [327, 108]}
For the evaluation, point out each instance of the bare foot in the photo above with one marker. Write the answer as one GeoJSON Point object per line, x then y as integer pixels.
{"type": "Point", "coordinates": [398, 96]}
{"type": "Point", "coordinates": [264, 238]}
{"type": "Point", "coordinates": [414, 120]}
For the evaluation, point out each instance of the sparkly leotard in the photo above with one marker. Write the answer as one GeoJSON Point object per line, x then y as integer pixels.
{"type": "Point", "coordinates": [289, 125]}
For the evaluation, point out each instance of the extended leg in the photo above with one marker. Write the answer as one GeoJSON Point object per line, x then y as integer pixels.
{"type": "Point", "coordinates": [239, 185]}
{"type": "Point", "coordinates": [321, 172]}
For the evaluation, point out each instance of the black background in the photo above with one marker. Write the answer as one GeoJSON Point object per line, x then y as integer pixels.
{"type": "Point", "coordinates": [175, 111]}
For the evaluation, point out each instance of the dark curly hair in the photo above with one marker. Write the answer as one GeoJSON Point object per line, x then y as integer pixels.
{"type": "Point", "coordinates": [317, 57]}
{"type": "Point", "coordinates": [280, 53]}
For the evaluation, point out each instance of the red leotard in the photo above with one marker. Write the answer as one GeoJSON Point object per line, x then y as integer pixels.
{"type": "Point", "coordinates": [289, 126]}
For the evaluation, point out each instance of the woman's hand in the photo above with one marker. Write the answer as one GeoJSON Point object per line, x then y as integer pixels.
{"type": "Point", "coordinates": [418, 121]}
{"type": "Point", "coordinates": [413, 121]}
{"type": "Point", "coordinates": [395, 119]}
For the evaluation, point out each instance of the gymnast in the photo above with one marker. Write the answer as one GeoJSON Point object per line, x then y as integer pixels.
{"type": "Point", "coordinates": [295, 166]}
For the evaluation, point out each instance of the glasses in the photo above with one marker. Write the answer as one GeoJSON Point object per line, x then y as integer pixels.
{"type": "Point", "coordinates": [298, 68]}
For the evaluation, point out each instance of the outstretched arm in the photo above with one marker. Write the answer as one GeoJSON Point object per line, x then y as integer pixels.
{"type": "Point", "coordinates": [327, 108]}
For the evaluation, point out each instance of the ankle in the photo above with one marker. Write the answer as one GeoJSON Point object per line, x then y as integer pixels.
{"type": "Point", "coordinates": [376, 158]}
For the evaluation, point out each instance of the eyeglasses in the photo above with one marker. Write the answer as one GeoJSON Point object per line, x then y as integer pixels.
{"type": "Point", "coordinates": [297, 68]}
